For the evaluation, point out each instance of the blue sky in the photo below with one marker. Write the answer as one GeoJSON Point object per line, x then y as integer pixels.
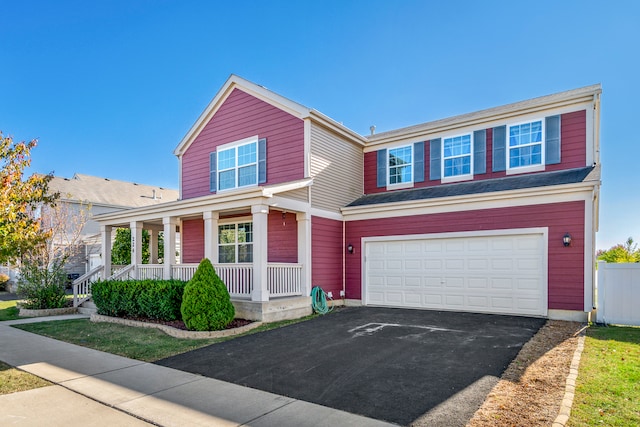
{"type": "Point", "coordinates": [111, 87]}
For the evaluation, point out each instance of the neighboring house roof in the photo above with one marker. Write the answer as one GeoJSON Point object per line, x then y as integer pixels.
{"type": "Point", "coordinates": [108, 192]}
{"type": "Point", "coordinates": [519, 182]}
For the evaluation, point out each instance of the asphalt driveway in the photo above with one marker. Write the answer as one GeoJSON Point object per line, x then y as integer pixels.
{"type": "Point", "coordinates": [394, 365]}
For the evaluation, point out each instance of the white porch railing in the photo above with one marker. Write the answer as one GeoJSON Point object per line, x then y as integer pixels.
{"type": "Point", "coordinates": [183, 271]}
{"type": "Point", "coordinates": [284, 279]}
{"type": "Point", "coordinates": [238, 278]}
{"type": "Point", "coordinates": [125, 273]}
{"type": "Point", "coordinates": [82, 285]}
{"type": "Point", "coordinates": [150, 271]}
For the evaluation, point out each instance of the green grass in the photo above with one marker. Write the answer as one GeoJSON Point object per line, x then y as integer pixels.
{"type": "Point", "coordinates": [8, 310]}
{"type": "Point", "coordinates": [13, 380]}
{"type": "Point", "coordinates": [143, 344]}
{"type": "Point", "coordinates": [608, 385]}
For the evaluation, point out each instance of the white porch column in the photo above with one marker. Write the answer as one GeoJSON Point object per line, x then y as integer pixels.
{"type": "Point", "coordinates": [260, 249]}
{"type": "Point", "coordinates": [211, 236]}
{"type": "Point", "coordinates": [136, 242]}
{"type": "Point", "coordinates": [153, 246]}
{"type": "Point", "coordinates": [304, 251]}
{"type": "Point", "coordinates": [170, 224]}
{"type": "Point", "coordinates": [105, 232]}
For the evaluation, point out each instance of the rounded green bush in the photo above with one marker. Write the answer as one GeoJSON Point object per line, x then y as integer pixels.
{"type": "Point", "coordinates": [206, 304]}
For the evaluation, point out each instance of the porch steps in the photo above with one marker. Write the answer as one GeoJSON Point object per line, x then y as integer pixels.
{"type": "Point", "coordinates": [87, 307]}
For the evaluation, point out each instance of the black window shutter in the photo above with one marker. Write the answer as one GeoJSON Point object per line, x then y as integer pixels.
{"type": "Point", "coordinates": [382, 168]}
{"type": "Point", "coordinates": [479, 152]}
{"type": "Point", "coordinates": [499, 148]}
{"type": "Point", "coordinates": [418, 163]}
{"type": "Point", "coordinates": [213, 173]}
{"type": "Point", "coordinates": [434, 159]}
{"type": "Point", "coordinates": [262, 161]}
{"type": "Point", "coordinates": [552, 140]}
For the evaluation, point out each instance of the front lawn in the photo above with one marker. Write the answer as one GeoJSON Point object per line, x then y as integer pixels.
{"type": "Point", "coordinates": [608, 385]}
{"type": "Point", "coordinates": [13, 380]}
{"type": "Point", "coordinates": [8, 310]}
{"type": "Point", "coordinates": [143, 344]}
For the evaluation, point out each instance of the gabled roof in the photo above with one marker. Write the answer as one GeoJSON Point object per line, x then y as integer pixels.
{"type": "Point", "coordinates": [104, 191]}
{"type": "Point", "coordinates": [569, 97]}
{"type": "Point", "coordinates": [518, 182]}
{"type": "Point", "coordinates": [260, 92]}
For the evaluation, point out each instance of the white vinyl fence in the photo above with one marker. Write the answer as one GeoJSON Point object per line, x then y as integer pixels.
{"type": "Point", "coordinates": [618, 299]}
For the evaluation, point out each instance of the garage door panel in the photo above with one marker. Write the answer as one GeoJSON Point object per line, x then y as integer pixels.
{"type": "Point", "coordinates": [413, 248]}
{"type": "Point", "coordinates": [496, 274]}
{"type": "Point", "coordinates": [413, 264]}
{"type": "Point", "coordinates": [502, 264]}
{"type": "Point", "coordinates": [433, 264]}
{"type": "Point", "coordinates": [454, 264]}
{"type": "Point", "coordinates": [432, 282]}
{"type": "Point", "coordinates": [456, 301]}
{"type": "Point", "coordinates": [478, 283]}
{"type": "Point", "coordinates": [478, 264]}
{"type": "Point", "coordinates": [502, 283]}
{"type": "Point", "coordinates": [478, 302]}
{"type": "Point", "coordinates": [454, 282]}
{"type": "Point", "coordinates": [413, 299]}
{"type": "Point", "coordinates": [413, 282]}
{"type": "Point", "coordinates": [502, 303]}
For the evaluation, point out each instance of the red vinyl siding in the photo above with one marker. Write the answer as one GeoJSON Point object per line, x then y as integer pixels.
{"type": "Point", "coordinates": [565, 264]}
{"type": "Point", "coordinates": [192, 235]}
{"type": "Point", "coordinates": [573, 139]}
{"type": "Point", "coordinates": [282, 237]}
{"type": "Point", "coordinates": [242, 116]}
{"type": "Point", "coordinates": [326, 254]}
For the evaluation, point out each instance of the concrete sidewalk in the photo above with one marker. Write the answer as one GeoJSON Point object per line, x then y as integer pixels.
{"type": "Point", "coordinates": [130, 388]}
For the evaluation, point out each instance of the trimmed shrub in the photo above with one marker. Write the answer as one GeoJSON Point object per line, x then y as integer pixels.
{"type": "Point", "coordinates": [206, 304]}
{"type": "Point", "coordinates": [154, 299]}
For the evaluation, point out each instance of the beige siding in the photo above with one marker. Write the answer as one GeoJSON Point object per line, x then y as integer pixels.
{"type": "Point", "coordinates": [301, 194]}
{"type": "Point", "coordinates": [337, 169]}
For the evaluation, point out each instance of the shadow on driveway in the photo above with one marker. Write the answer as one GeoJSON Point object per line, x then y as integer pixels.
{"type": "Point", "coordinates": [390, 364]}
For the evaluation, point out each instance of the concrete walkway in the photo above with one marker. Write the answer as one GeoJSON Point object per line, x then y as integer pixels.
{"type": "Point", "coordinates": [94, 388]}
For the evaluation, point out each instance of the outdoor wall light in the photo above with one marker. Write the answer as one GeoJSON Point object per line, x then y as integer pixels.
{"type": "Point", "coordinates": [566, 239]}
{"type": "Point", "coordinates": [350, 248]}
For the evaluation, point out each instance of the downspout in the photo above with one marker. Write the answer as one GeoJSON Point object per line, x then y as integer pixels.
{"type": "Point", "coordinates": [344, 262]}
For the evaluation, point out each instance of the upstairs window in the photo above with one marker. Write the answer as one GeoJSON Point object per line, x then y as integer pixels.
{"type": "Point", "coordinates": [238, 164]}
{"type": "Point", "coordinates": [235, 243]}
{"type": "Point", "coordinates": [400, 165]}
{"type": "Point", "coordinates": [525, 144]}
{"type": "Point", "coordinates": [457, 156]}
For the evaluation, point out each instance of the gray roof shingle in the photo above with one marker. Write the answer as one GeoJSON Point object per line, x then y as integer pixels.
{"type": "Point", "coordinates": [533, 180]}
{"type": "Point", "coordinates": [104, 191]}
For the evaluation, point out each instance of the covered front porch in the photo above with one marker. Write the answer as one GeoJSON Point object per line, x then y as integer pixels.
{"type": "Point", "coordinates": [260, 246]}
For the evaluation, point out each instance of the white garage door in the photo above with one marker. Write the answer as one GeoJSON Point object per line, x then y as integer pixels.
{"type": "Point", "coordinates": [494, 274]}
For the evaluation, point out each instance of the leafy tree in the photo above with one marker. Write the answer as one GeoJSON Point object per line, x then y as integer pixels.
{"type": "Point", "coordinates": [20, 199]}
{"type": "Point", "coordinates": [43, 278]}
{"type": "Point", "coordinates": [206, 304]}
{"type": "Point", "coordinates": [621, 253]}
{"type": "Point", "coordinates": [121, 249]}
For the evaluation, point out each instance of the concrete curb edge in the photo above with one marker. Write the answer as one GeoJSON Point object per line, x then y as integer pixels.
{"type": "Point", "coordinates": [570, 389]}
{"type": "Point", "coordinates": [176, 333]}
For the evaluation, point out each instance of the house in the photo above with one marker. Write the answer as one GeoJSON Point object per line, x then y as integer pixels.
{"type": "Point", "coordinates": [493, 211]}
{"type": "Point", "coordinates": [84, 196]}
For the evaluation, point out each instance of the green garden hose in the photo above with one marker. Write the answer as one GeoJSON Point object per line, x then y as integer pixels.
{"type": "Point", "coordinates": [319, 301]}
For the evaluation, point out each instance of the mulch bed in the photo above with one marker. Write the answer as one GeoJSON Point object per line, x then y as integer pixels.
{"type": "Point", "coordinates": [532, 388]}
{"type": "Point", "coordinates": [179, 324]}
